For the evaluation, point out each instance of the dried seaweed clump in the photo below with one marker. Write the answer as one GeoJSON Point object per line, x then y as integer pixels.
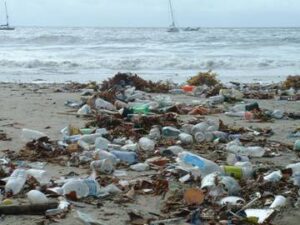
{"type": "Point", "coordinates": [292, 82]}
{"type": "Point", "coordinates": [204, 78]}
{"type": "Point", "coordinates": [125, 79]}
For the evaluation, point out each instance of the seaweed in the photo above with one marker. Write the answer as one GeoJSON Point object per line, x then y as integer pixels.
{"type": "Point", "coordinates": [120, 80]}
{"type": "Point", "coordinates": [292, 82]}
{"type": "Point", "coordinates": [204, 78]}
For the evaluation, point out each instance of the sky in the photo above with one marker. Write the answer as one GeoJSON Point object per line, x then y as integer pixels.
{"type": "Point", "coordinates": [153, 13]}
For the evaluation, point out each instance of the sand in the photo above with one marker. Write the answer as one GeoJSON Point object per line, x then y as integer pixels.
{"type": "Point", "coordinates": [40, 107]}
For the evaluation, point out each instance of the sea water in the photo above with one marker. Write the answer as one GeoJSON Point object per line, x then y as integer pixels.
{"type": "Point", "coordinates": [81, 54]}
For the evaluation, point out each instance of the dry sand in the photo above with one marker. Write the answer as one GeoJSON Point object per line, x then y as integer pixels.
{"type": "Point", "coordinates": [39, 107]}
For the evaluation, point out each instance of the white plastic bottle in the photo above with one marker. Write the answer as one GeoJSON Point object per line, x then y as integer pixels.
{"type": "Point", "coordinates": [105, 166]}
{"type": "Point", "coordinates": [101, 154]}
{"type": "Point", "coordinates": [16, 181]}
{"type": "Point", "coordinates": [101, 143]}
{"type": "Point", "coordinates": [186, 138]}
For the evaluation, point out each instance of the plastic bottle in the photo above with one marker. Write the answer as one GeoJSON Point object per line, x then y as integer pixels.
{"type": "Point", "coordinates": [154, 133]}
{"type": "Point", "coordinates": [141, 109]}
{"type": "Point", "coordinates": [204, 165]}
{"type": "Point", "coordinates": [36, 197]}
{"type": "Point", "coordinates": [176, 91]}
{"type": "Point", "coordinates": [297, 146]}
{"type": "Point", "coordinates": [170, 132]}
{"type": "Point", "coordinates": [16, 181]}
{"type": "Point", "coordinates": [232, 158]}
{"type": "Point", "coordinates": [218, 99]}
{"type": "Point", "coordinates": [203, 136]}
{"type": "Point", "coordinates": [241, 170]}
{"type": "Point", "coordinates": [41, 176]}
{"type": "Point", "coordinates": [188, 88]}
{"type": "Point", "coordinates": [128, 157]}
{"type": "Point", "coordinates": [82, 187]}
{"type": "Point", "coordinates": [29, 135]}
{"type": "Point", "coordinates": [187, 128]}
{"type": "Point", "coordinates": [273, 177]}
{"type": "Point", "coordinates": [200, 127]}
{"type": "Point", "coordinates": [140, 167]}
{"type": "Point", "coordinates": [105, 165]}
{"type": "Point", "coordinates": [236, 148]}
{"type": "Point", "coordinates": [130, 147]}
{"type": "Point", "coordinates": [101, 143]}
{"type": "Point", "coordinates": [102, 104]}
{"type": "Point", "coordinates": [220, 135]}
{"type": "Point", "coordinates": [102, 154]}
{"type": "Point", "coordinates": [146, 144]}
{"type": "Point", "coordinates": [295, 167]}
{"type": "Point", "coordinates": [186, 138]}
{"type": "Point", "coordinates": [84, 110]}
{"type": "Point", "coordinates": [277, 114]}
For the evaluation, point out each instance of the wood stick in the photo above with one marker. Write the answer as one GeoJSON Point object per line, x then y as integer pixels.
{"type": "Point", "coordinates": [27, 209]}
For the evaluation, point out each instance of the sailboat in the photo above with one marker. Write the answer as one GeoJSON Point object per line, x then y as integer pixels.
{"type": "Point", "coordinates": [6, 26]}
{"type": "Point", "coordinates": [172, 27]}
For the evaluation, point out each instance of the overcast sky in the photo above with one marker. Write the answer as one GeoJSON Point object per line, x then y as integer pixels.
{"type": "Point", "coordinates": [153, 13]}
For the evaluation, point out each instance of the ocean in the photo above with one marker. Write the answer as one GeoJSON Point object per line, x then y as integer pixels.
{"type": "Point", "coordinates": [33, 54]}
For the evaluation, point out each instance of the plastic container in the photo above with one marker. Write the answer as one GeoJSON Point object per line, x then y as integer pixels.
{"type": "Point", "coordinates": [277, 114]}
{"type": "Point", "coordinates": [278, 202]}
{"type": "Point", "coordinates": [84, 110]}
{"type": "Point", "coordinates": [232, 159]}
{"type": "Point", "coordinates": [188, 88]}
{"type": "Point", "coordinates": [128, 157]}
{"type": "Point", "coordinates": [37, 197]}
{"type": "Point", "coordinates": [236, 148]}
{"type": "Point", "coordinates": [154, 133]}
{"type": "Point", "coordinates": [102, 104]}
{"type": "Point", "coordinates": [141, 109]}
{"type": "Point", "coordinates": [82, 187]}
{"type": "Point", "coordinates": [102, 154]}
{"type": "Point", "coordinates": [200, 127]}
{"type": "Point", "coordinates": [218, 99]}
{"type": "Point", "coordinates": [238, 172]}
{"type": "Point", "coordinates": [218, 184]}
{"type": "Point", "coordinates": [16, 181]}
{"type": "Point", "coordinates": [186, 138]}
{"type": "Point", "coordinates": [140, 167]}
{"type": "Point", "coordinates": [29, 135]}
{"type": "Point", "coordinates": [41, 176]}
{"type": "Point", "coordinates": [101, 143]}
{"type": "Point", "coordinates": [105, 166]}
{"type": "Point", "coordinates": [205, 166]}
{"type": "Point", "coordinates": [273, 177]}
{"type": "Point", "coordinates": [146, 144]}
{"type": "Point", "coordinates": [203, 137]}
{"type": "Point", "coordinates": [170, 132]}
{"type": "Point", "coordinates": [297, 146]}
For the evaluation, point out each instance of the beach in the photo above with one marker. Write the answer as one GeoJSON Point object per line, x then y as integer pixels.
{"type": "Point", "coordinates": [41, 107]}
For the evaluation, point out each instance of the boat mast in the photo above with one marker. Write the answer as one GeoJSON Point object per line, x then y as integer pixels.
{"type": "Point", "coordinates": [172, 14]}
{"type": "Point", "coordinates": [7, 18]}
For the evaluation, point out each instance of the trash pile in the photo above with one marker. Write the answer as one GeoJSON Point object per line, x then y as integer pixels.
{"type": "Point", "coordinates": [139, 144]}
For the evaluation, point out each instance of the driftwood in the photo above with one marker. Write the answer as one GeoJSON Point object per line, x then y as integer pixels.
{"type": "Point", "coordinates": [27, 209]}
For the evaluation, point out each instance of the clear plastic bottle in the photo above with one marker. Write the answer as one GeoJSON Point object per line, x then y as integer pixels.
{"type": "Point", "coordinates": [82, 187]}
{"type": "Point", "coordinates": [204, 165]}
{"type": "Point", "coordinates": [102, 154]}
{"type": "Point", "coordinates": [105, 165]}
{"type": "Point", "coordinates": [16, 181]}
{"type": "Point", "coordinates": [101, 143]}
{"type": "Point", "coordinates": [154, 133]}
{"type": "Point", "coordinates": [29, 135]}
{"type": "Point", "coordinates": [200, 127]}
{"type": "Point", "coordinates": [41, 176]}
{"type": "Point", "coordinates": [170, 131]}
{"type": "Point", "coordinates": [128, 157]}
